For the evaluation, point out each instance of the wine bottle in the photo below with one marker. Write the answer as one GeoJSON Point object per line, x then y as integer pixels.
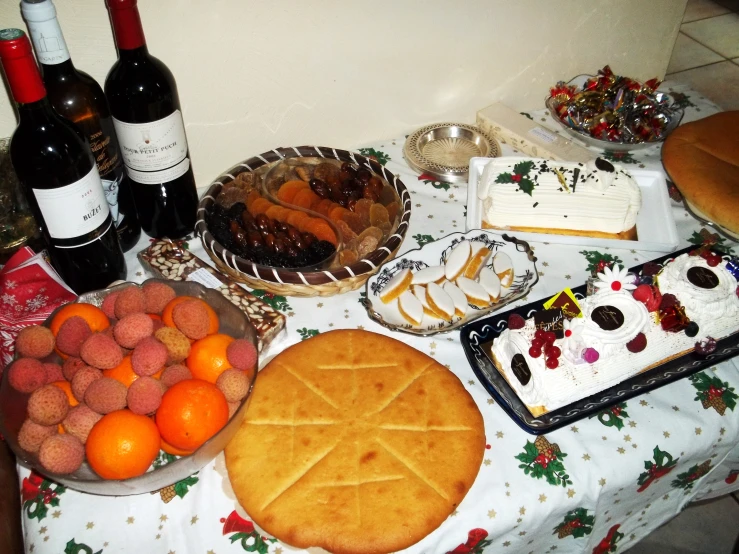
{"type": "Point", "coordinates": [54, 163]}
{"type": "Point", "coordinates": [79, 98]}
{"type": "Point", "coordinates": [142, 94]}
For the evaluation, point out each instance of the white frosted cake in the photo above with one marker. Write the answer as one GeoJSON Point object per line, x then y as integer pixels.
{"type": "Point", "coordinates": [624, 330]}
{"type": "Point", "coordinates": [596, 199]}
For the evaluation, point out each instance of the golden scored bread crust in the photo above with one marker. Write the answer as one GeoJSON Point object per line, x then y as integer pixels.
{"type": "Point", "coordinates": [356, 443]}
{"type": "Point", "coordinates": [702, 158]}
{"type": "Point", "coordinates": [629, 234]}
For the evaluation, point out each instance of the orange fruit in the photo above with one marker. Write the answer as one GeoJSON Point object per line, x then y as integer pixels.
{"type": "Point", "coordinates": [94, 316]}
{"type": "Point", "coordinates": [155, 317]}
{"type": "Point", "coordinates": [122, 445]}
{"type": "Point", "coordinates": [212, 315]}
{"type": "Point", "coordinates": [124, 373]}
{"type": "Point", "coordinates": [191, 412]}
{"type": "Point", "coordinates": [67, 388]}
{"type": "Point", "coordinates": [169, 449]}
{"type": "Point", "coordinates": [207, 359]}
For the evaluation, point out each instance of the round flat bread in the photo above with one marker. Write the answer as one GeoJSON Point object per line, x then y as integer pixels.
{"type": "Point", "coordinates": [356, 443]}
{"type": "Point", "coordinates": [702, 159]}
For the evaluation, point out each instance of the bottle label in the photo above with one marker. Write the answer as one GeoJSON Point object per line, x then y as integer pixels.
{"type": "Point", "coordinates": [154, 152]}
{"type": "Point", "coordinates": [111, 189]}
{"type": "Point", "coordinates": [51, 49]}
{"type": "Point", "coordinates": [73, 210]}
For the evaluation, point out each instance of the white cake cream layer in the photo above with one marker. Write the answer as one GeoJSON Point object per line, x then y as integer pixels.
{"type": "Point", "coordinates": [595, 201]}
{"type": "Point", "coordinates": [702, 305]}
{"type": "Point", "coordinates": [570, 382]}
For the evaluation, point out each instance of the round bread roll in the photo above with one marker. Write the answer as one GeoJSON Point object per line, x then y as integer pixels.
{"type": "Point", "coordinates": [702, 159]}
{"type": "Point", "coordinates": [356, 443]}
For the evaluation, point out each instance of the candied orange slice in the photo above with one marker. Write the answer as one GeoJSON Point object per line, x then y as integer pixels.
{"type": "Point", "coordinates": [322, 231]}
{"type": "Point", "coordinates": [288, 190]}
{"type": "Point", "coordinates": [304, 198]}
{"type": "Point", "coordinates": [251, 197]}
{"type": "Point", "coordinates": [336, 212]}
{"type": "Point", "coordinates": [260, 206]}
{"type": "Point", "coordinates": [346, 232]}
{"type": "Point", "coordinates": [354, 221]}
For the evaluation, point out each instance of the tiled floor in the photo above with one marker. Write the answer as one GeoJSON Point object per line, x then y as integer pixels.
{"type": "Point", "coordinates": [706, 53]}
{"type": "Point", "coordinates": [705, 56]}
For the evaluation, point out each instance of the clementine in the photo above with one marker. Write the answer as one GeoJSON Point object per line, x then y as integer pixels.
{"type": "Point", "coordinates": [207, 359]}
{"type": "Point", "coordinates": [122, 445]}
{"type": "Point", "coordinates": [212, 315]}
{"type": "Point", "coordinates": [191, 412]}
{"type": "Point", "coordinates": [169, 449]}
{"type": "Point", "coordinates": [94, 316]}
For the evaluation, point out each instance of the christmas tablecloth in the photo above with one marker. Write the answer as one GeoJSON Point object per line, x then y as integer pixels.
{"type": "Point", "coordinates": [614, 478]}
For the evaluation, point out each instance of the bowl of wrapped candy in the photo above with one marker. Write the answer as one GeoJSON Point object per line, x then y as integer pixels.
{"type": "Point", "coordinates": [612, 112]}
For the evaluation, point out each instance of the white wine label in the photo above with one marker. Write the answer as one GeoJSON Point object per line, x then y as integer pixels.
{"type": "Point", "coordinates": [154, 152]}
{"type": "Point", "coordinates": [73, 210]}
{"type": "Point", "coordinates": [46, 35]}
{"type": "Point", "coordinates": [157, 177]}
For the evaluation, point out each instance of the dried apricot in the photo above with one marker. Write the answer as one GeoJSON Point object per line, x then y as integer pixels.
{"type": "Point", "coordinates": [288, 190]}
{"type": "Point", "coordinates": [260, 206]}
{"type": "Point", "coordinates": [323, 231]}
{"type": "Point", "coordinates": [378, 214]}
{"type": "Point", "coordinates": [362, 209]}
{"type": "Point", "coordinates": [296, 218]}
{"type": "Point", "coordinates": [304, 198]}
{"type": "Point", "coordinates": [251, 197]}
{"type": "Point", "coordinates": [323, 206]}
{"type": "Point", "coordinates": [278, 213]}
{"type": "Point", "coordinates": [336, 212]}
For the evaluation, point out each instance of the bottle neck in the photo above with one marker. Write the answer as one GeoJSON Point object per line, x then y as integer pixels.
{"type": "Point", "coordinates": [21, 71]}
{"type": "Point", "coordinates": [129, 34]}
{"type": "Point", "coordinates": [36, 112]}
{"type": "Point", "coordinates": [46, 34]}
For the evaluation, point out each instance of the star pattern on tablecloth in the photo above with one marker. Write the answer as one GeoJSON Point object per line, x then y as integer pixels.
{"type": "Point", "coordinates": [42, 530]}
{"type": "Point", "coordinates": [574, 429]}
{"type": "Point", "coordinates": [492, 514]}
{"type": "Point", "coordinates": [193, 520]}
{"type": "Point", "coordinates": [499, 434]}
{"type": "Point", "coordinates": [90, 524]}
{"type": "Point", "coordinates": [621, 450]}
{"type": "Point", "coordinates": [676, 408]}
{"type": "Point", "coordinates": [722, 431]}
{"type": "Point", "coordinates": [163, 517]}
{"type": "Point", "coordinates": [278, 550]}
{"type": "Point", "coordinates": [586, 457]}
{"type": "Point", "coordinates": [698, 430]}
{"type": "Point", "coordinates": [570, 493]}
{"type": "Point", "coordinates": [522, 510]}
{"type": "Point", "coordinates": [632, 424]}
{"type": "Point", "coordinates": [130, 520]}
{"type": "Point", "coordinates": [491, 401]}
{"type": "Point", "coordinates": [627, 438]}
{"type": "Point", "coordinates": [643, 402]}
{"type": "Point", "coordinates": [56, 513]}
{"type": "Point", "coordinates": [487, 461]}
{"type": "Point", "coordinates": [602, 481]}
{"type": "Point", "coordinates": [542, 498]}
{"type": "Point", "coordinates": [666, 434]}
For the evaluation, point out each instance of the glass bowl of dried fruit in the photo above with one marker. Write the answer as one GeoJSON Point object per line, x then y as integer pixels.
{"type": "Point", "coordinates": [304, 221]}
{"type": "Point", "coordinates": [129, 389]}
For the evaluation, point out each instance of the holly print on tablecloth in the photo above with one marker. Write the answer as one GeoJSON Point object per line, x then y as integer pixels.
{"type": "Point", "coordinates": [544, 459]}
{"type": "Point", "coordinates": [682, 100]}
{"type": "Point", "coordinates": [713, 393]}
{"type": "Point", "coordinates": [423, 239]}
{"type": "Point", "coordinates": [520, 176]}
{"type": "Point", "coordinates": [662, 465]}
{"type": "Point", "coordinates": [609, 542]}
{"type": "Point", "coordinates": [577, 523]}
{"type": "Point", "coordinates": [180, 488]}
{"type": "Point", "coordinates": [613, 416]}
{"type": "Point", "coordinates": [244, 532]}
{"type": "Point", "coordinates": [73, 547]}
{"type": "Point", "coordinates": [306, 333]}
{"type": "Point", "coordinates": [277, 301]}
{"type": "Point", "coordinates": [597, 262]}
{"type": "Point", "coordinates": [619, 157]}
{"type": "Point", "coordinates": [433, 181]}
{"type": "Point", "coordinates": [37, 494]}
{"type": "Point", "coordinates": [731, 478]}
{"type": "Point", "coordinates": [378, 155]}
{"type": "Point", "coordinates": [711, 240]}
{"type": "Point", "coordinates": [476, 543]}
{"type": "Point", "coordinates": [686, 480]}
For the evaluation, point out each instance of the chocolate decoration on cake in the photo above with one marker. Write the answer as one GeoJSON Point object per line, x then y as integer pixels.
{"type": "Point", "coordinates": [608, 318]}
{"type": "Point", "coordinates": [604, 165]}
{"type": "Point", "coordinates": [702, 277]}
{"type": "Point", "coordinates": [520, 369]}
{"type": "Point", "coordinates": [550, 320]}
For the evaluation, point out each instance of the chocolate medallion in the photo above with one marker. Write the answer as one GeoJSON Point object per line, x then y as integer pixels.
{"type": "Point", "coordinates": [702, 277]}
{"type": "Point", "coordinates": [608, 318]}
{"type": "Point", "coordinates": [520, 369]}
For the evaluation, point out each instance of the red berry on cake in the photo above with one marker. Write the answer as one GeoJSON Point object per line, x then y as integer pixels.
{"type": "Point", "coordinates": [637, 344]}
{"type": "Point", "coordinates": [554, 352]}
{"type": "Point", "coordinates": [534, 352]}
{"type": "Point", "coordinates": [516, 321]}
{"type": "Point", "coordinates": [705, 346]}
{"type": "Point", "coordinates": [590, 355]}
{"type": "Point", "coordinates": [643, 293]}
{"type": "Point", "coordinates": [713, 260]}
{"type": "Point", "coordinates": [537, 343]}
{"type": "Point", "coordinates": [550, 337]}
{"type": "Point", "coordinates": [539, 334]}
{"type": "Point", "coordinates": [552, 363]}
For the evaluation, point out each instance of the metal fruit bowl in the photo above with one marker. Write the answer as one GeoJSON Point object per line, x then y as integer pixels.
{"type": "Point", "coordinates": [233, 322]}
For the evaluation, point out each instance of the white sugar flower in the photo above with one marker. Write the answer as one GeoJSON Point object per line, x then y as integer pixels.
{"type": "Point", "coordinates": [615, 279]}
{"type": "Point", "coordinates": [572, 334]}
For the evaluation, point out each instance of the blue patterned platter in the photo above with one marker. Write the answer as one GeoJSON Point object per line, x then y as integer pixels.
{"type": "Point", "coordinates": [435, 253]}
{"type": "Point", "coordinates": [477, 337]}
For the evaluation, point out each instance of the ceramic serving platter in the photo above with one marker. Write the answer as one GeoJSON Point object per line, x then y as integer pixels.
{"type": "Point", "coordinates": [436, 253]}
{"type": "Point", "coordinates": [477, 337]}
{"type": "Point", "coordinates": [655, 224]}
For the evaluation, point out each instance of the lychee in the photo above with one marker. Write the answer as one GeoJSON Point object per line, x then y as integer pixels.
{"type": "Point", "coordinates": [79, 421]}
{"type": "Point", "coordinates": [48, 405]}
{"type": "Point", "coordinates": [174, 374]}
{"type": "Point", "coordinates": [156, 296]}
{"type": "Point", "coordinates": [129, 301]}
{"type": "Point", "coordinates": [101, 351]}
{"type": "Point", "coordinates": [145, 395]}
{"type": "Point", "coordinates": [31, 435]}
{"type": "Point", "coordinates": [26, 375]}
{"type": "Point", "coordinates": [53, 372]}
{"type": "Point", "coordinates": [72, 333]}
{"type": "Point", "coordinates": [242, 354]}
{"type": "Point", "coordinates": [62, 454]}
{"type": "Point", "coordinates": [191, 317]}
{"type": "Point", "coordinates": [106, 395]}
{"type": "Point", "coordinates": [234, 384]}
{"type": "Point", "coordinates": [70, 367]}
{"type": "Point", "coordinates": [132, 328]}
{"type": "Point", "coordinates": [82, 379]}
{"type": "Point", "coordinates": [34, 341]}
{"type": "Point", "coordinates": [108, 305]}
{"type": "Point", "coordinates": [178, 345]}
{"type": "Point", "coordinates": [149, 356]}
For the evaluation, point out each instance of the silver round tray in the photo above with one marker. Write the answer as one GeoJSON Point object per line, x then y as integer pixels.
{"type": "Point", "coordinates": [444, 150]}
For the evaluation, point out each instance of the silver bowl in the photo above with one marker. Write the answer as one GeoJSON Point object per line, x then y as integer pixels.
{"type": "Point", "coordinates": [607, 145]}
{"type": "Point", "coordinates": [233, 322]}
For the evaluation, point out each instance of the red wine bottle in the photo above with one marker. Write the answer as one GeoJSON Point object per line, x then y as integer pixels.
{"type": "Point", "coordinates": [79, 98]}
{"type": "Point", "coordinates": [146, 113]}
{"type": "Point", "coordinates": [54, 163]}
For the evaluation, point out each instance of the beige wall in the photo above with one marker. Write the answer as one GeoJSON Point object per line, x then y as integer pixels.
{"type": "Point", "coordinates": [256, 75]}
